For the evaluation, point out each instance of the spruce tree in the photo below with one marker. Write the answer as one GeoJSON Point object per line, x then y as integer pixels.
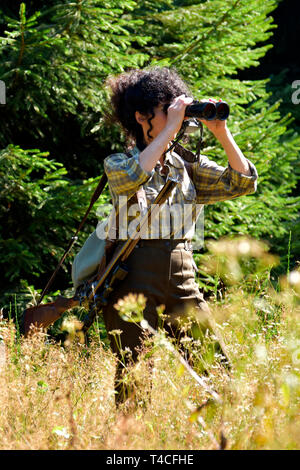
{"type": "Point", "coordinates": [54, 59]}
{"type": "Point", "coordinates": [54, 62]}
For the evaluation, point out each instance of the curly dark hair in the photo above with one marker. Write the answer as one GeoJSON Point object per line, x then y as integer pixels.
{"type": "Point", "coordinates": [142, 90]}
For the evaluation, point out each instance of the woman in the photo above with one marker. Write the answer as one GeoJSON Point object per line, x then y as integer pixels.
{"type": "Point", "coordinates": [150, 106]}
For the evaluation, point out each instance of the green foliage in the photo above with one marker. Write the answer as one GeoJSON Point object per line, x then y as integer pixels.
{"type": "Point", "coordinates": [39, 211]}
{"type": "Point", "coordinates": [54, 59]}
{"type": "Point", "coordinates": [54, 63]}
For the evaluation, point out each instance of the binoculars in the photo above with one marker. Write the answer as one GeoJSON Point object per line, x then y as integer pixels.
{"type": "Point", "coordinates": [208, 110]}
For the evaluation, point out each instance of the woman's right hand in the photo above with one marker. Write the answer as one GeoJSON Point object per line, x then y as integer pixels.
{"type": "Point", "coordinates": [176, 112]}
{"type": "Point", "coordinates": [155, 149]}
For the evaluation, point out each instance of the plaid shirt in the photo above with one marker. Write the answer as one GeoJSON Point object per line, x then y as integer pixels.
{"type": "Point", "coordinates": [209, 183]}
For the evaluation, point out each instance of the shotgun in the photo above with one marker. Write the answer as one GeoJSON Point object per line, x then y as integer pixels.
{"type": "Point", "coordinates": [94, 293]}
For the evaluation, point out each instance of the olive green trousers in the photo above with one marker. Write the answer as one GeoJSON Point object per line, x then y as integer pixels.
{"type": "Point", "coordinates": [163, 271]}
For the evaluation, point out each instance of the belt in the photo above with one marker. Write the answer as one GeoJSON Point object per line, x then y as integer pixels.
{"type": "Point", "coordinates": [170, 244]}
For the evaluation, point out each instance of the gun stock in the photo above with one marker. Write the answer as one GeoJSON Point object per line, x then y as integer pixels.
{"type": "Point", "coordinates": [42, 316]}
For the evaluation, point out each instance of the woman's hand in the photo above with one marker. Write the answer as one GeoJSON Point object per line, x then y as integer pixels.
{"type": "Point", "coordinates": [217, 127]}
{"type": "Point", "coordinates": [176, 112]}
{"type": "Point", "coordinates": [234, 154]}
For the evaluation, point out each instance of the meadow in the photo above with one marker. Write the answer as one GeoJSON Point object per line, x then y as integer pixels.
{"type": "Point", "coordinates": [60, 395]}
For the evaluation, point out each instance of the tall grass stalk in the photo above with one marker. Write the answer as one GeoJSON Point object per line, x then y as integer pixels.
{"type": "Point", "coordinates": [289, 253]}
{"type": "Point", "coordinates": [52, 396]}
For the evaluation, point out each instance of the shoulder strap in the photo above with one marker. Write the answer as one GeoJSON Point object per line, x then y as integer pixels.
{"type": "Point", "coordinates": [95, 197]}
{"type": "Point", "coordinates": [188, 157]}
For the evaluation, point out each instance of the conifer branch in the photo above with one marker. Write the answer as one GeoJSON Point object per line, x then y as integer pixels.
{"type": "Point", "coordinates": [194, 44]}
{"type": "Point", "coordinates": [22, 23]}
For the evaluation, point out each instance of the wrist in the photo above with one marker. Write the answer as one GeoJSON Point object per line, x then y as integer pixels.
{"type": "Point", "coordinates": [223, 135]}
{"type": "Point", "coordinates": [169, 132]}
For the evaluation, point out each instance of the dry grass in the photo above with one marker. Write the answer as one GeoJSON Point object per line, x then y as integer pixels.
{"type": "Point", "coordinates": [54, 397]}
